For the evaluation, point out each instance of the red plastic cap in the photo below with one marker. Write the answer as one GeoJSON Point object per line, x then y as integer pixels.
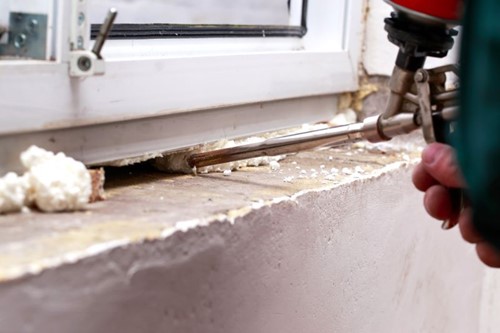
{"type": "Point", "coordinates": [444, 9]}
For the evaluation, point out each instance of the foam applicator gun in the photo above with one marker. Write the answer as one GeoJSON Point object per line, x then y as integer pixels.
{"type": "Point", "coordinates": [373, 129]}
{"type": "Point", "coordinates": [418, 97]}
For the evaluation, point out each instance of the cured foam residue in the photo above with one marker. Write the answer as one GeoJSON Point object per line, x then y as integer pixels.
{"type": "Point", "coordinates": [57, 182]}
{"type": "Point", "coordinates": [399, 144]}
{"type": "Point", "coordinates": [274, 165]}
{"type": "Point", "coordinates": [13, 190]}
{"type": "Point", "coordinates": [343, 118]}
{"type": "Point", "coordinates": [355, 99]}
{"type": "Point", "coordinates": [132, 160]}
{"type": "Point", "coordinates": [352, 167]}
{"type": "Point", "coordinates": [52, 182]}
{"type": "Point", "coordinates": [177, 162]}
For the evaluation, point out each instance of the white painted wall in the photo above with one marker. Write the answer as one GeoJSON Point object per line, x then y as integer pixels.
{"type": "Point", "coordinates": [379, 54]}
{"type": "Point", "coordinates": [344, 260]}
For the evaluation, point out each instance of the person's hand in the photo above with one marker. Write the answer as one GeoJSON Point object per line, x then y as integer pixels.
{"type": "Point", "coordinates": [435, 175]}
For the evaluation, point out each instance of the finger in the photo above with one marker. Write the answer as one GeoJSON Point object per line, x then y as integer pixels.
{"type": "Point", "coordinates": [439, 161]}
{"type": "Point", "coordinates": [467, 229]}
{"type": "Point", "coordinates": [422, 179]}
{"type": "Point", "coordinates": [437, 202]}
{"type": "Point", "coordinates": [488, 254]}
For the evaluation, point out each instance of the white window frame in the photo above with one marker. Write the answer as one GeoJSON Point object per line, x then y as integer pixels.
{"type": "Point", "coordinates": [156, 78]}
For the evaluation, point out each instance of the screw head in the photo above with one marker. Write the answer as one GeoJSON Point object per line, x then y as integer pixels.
{"type": "Point", "coordinates": [33, 24]}
{"type": "Point", "coordinates": [20, 40]}
{"type": "Point", "coordinates": [84, 63]}
{"type": "Point", "coordinates": [421, 75]}
{"type": "Point", "coordinates": [81, 18]}
{"type": "Point", "coordinates": [79, 43]}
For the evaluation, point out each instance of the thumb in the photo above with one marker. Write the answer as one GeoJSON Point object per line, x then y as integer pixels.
{"type": "Point", "coordinates": [439, 161]}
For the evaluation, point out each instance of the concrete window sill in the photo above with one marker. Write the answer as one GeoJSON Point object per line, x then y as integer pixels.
{"type": "Point", "coordinates": [256, 251]}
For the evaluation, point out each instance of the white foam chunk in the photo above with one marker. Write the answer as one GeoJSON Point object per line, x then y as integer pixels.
{"type": "Point", "coordinates": [274, 165]}
{"type": "Point", "coordinates": [56, 182]}
{"type": "Point", "coordinates": [346, 117]}
{"type": "Point", "coordinates": [13, 191]}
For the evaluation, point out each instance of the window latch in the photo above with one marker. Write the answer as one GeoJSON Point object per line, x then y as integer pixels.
{"type": "Point", "coordinates": [90, 62]}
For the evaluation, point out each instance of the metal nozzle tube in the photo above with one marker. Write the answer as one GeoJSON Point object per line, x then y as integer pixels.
{"type": "Point", "coordinates": [369, 129]}
{"type": "Point", "coordinates": [399, 84]}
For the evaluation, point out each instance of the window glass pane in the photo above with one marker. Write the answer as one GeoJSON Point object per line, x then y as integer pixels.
{"type": "Point", "coordinates": [235, 12]}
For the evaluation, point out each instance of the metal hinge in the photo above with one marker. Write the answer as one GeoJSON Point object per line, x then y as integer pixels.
{"type": "Point", "coordinates": [27, 36]}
